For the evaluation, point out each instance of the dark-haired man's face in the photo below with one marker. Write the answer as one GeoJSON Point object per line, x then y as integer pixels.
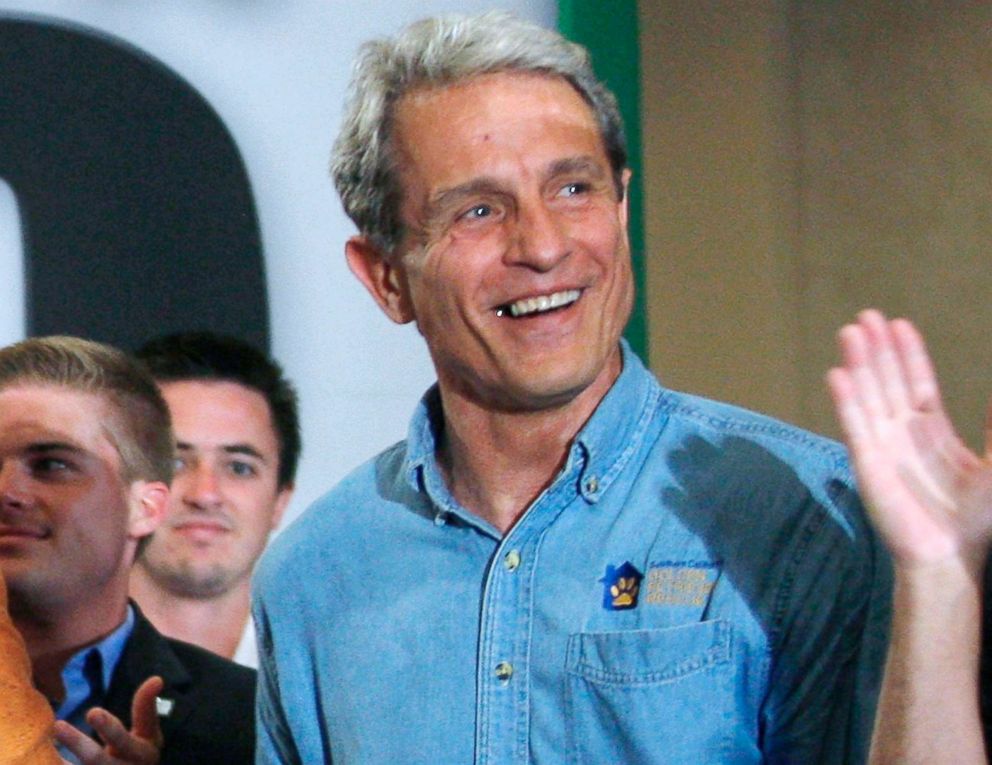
{"type": "Point", "coordinates": [225, 497]}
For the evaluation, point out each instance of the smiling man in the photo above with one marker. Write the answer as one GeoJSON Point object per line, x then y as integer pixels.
{"type": "Point", "coordinates": [237, 444]}
{"type": "Point", "coordinates": [563, 561]}
{"type": "Point", "coordinates": [85, 462]}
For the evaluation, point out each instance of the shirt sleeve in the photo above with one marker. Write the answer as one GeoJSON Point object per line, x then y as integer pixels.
{"type": "Point", "coordinates": [829, 641]}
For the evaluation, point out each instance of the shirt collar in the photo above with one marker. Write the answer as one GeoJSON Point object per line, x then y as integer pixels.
{"type": "Point", "coordinates": [85, 684]}
{"type": "Point", "coordinates": [604, 444]}
{"type": "Point", "coordinates": [614, 431]}
{"type": "Point", "coordinates": [422, 435]}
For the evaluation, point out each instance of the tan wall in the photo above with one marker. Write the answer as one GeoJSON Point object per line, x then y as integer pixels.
{"type": "Point", "coordinates": [805, 160]}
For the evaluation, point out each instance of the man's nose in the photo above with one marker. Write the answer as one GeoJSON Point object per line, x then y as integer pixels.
{"type": "Point", "coordinates": [13, 492]}
{"type": "Point", "coordinates": [202, 487]}
{"type": "Point", "coordinates": [542, 240]}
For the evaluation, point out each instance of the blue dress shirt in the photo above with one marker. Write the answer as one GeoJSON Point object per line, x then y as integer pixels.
{"type": "Point", "coordinates": [698, 584]}
{"type": "Point", "coordinates": [86, 677]}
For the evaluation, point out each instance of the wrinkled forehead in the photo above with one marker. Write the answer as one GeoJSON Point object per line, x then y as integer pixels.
{"type": "Point", "coordinates": [529, 119]}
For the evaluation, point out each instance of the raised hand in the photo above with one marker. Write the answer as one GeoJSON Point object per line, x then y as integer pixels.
{"type": "Point", "coordinates": [141, 745]}
{"type": "Point", "coordinates": [929, 495]}
{"type": "Point", "coordinates": [931, 499]}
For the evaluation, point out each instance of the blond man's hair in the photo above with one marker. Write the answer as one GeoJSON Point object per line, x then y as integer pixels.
{"type": "Point", "coordinates": [139, 425]}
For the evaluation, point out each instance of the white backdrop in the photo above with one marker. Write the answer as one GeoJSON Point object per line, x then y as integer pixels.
{"type": "Point", "coordinates": [276, 71]}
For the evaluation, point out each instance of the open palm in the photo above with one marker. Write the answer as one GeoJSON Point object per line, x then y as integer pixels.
{"type": "Point", "coordinates": [929, 495]}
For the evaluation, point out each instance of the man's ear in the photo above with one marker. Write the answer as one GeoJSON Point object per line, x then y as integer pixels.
{"type": "Point", "coordinates": [148, 502]}
{"type": "Point", "coordinates": [625, 200]}
{"type": "Point", "coordinates": [382, 276]}
{"type": "Point", "coordinates": [282, 502]}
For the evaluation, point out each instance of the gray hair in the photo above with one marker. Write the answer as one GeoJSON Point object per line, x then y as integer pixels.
{"type": "Point", "coordinates": [438, 52]}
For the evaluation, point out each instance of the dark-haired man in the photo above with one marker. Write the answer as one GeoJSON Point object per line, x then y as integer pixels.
{"type": "Point", "coordinates": [237, 434]}
{"type": "Point", "coordinates": [85, 462]}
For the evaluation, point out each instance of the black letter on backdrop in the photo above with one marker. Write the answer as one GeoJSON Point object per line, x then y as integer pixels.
{"type": "Point", "coordinates": [138, 216]}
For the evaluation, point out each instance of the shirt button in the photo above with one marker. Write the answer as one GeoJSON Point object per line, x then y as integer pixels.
{"type": "Point", "coordinates": [504, 671]}
{"type": "Point", "coordinates": [592, 484]}
{"type": "Point", "coordinates": [511, 560]}
{"type": "Point", "coordinates": [440, 519]}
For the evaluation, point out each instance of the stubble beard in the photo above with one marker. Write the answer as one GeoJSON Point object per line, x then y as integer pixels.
{"type": "Point", "coordinates": [184, 580]}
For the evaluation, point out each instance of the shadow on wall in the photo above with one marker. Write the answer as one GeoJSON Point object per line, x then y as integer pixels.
{"type": "Point", "coordinates": [136, 210]}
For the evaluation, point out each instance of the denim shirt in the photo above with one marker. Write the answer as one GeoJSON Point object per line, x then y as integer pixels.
{"type": "Point", "coordinates": [697, 585]}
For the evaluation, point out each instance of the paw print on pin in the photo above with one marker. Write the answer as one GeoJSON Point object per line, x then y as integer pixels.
{"type": "Point", "coordinates": [621, 585]}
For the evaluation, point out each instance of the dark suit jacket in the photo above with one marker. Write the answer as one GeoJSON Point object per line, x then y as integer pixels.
{"type": "Point", "coordinates": [212, 720]}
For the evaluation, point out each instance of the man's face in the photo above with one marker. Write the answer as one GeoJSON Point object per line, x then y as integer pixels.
{"type": "Point", "coordinates": [514, 261]}
{"type": "Point", "coordinates": [68, 522]}
{"type": "Point", "coordinates": [224, 499]}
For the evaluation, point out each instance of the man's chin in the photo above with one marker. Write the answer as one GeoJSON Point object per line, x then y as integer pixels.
{"type": "Point", "coordinates": [557, 380]}
{"type": "Point", "coordinates": [192, 582]}
{"type": "Point", "coordinates": [554, 389]}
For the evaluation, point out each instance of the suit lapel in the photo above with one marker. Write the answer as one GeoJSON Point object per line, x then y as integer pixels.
{"type": "Point", "coordinates": [148, 653]}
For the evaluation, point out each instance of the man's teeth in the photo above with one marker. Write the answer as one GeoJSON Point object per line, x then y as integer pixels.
{"type": "Point", "coordinates": [540, 303]}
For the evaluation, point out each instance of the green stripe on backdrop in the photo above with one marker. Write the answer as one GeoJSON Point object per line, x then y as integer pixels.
{"type": "Point", "coordinates": [608, 28]}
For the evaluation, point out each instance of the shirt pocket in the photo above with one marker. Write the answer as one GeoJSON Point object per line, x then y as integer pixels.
{"type": "Point", "coordinates": [644, 697]}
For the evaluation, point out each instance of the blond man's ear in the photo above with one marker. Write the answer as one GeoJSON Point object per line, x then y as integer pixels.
{"type": "Point", "coordinates": [147, 505]}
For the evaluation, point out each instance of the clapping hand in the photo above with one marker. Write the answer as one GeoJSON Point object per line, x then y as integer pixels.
{"type": "Point", "coordinates": [139, 746]}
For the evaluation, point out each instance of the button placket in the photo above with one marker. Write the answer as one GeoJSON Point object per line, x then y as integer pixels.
{"type": "Point", "coordinates": [504, 703]}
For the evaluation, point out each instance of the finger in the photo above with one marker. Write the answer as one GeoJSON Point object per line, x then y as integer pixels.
{"type": "Point", "coordinates": [945, 457]}
{"type": "Point", "coordinates": [121, 744]}
{"type": "Point", "coordinates": [85, 749]}
{"type": "Point", "coordinates": [852, 346]}
{"type": "Point", "coordinates": [846, 405]}
{"type": "Point", "coordinates": [865, 385]}
{"type": "Point", "coordinates": [144, 714]}
{"type": "Point", "coordinates": [922, 379]}
{"type": "Point", "coordinates": [884, 360]}
{"type": "Point", "coordinates": [107, 726]}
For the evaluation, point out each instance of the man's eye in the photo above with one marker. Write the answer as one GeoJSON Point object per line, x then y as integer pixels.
{"type": "Point", "coordinates": [574, 189]}
{"type": "Point", "coordinates": [49, 465]}
{"type": "Point", "coordinates": [477, 212]}
{"type": "Point", "coordinates": [242, 469]}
